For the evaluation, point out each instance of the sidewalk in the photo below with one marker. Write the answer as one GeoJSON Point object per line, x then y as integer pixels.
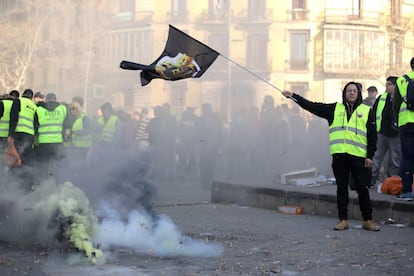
{"type": "Point", "coordinates": [320, 201]}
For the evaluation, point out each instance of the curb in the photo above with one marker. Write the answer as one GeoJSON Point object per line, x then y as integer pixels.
{"type": "Point", "coordinates": [314, 202]}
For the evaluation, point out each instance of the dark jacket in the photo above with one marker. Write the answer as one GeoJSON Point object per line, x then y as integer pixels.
{"type": "Point", "coordinates": [327, 111]}
{"type": "Point", "coordinates": [388, 122]}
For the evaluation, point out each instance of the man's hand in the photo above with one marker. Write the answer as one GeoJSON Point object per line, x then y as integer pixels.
{"type": "Point", "coordinates": [287, 94]}
{"type": "Point", "coordinates": [368, 163]}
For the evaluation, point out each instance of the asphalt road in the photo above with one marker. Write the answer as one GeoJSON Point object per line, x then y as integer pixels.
{"type": "Point", "coordinates": [254, 242]}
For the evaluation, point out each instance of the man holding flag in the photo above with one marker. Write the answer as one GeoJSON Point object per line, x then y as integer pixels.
{"type": "Point", "coordinates": [352, 136]}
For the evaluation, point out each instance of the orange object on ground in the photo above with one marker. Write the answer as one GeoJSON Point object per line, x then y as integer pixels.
{"type": "Point", "coordinates": [292, 210]}
{"type": "Point", "coordinates": [392, 185]}
{"type": "Point", "coordinates": [11, 155]}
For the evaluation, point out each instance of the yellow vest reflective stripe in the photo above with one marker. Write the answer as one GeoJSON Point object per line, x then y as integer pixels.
{"type": "Point", "coordinates": [26, 116]}
{"type": "Point", "coordinates": [405, 116]}
{"type": "Point", "coordinates": [349, 136]}
{"type": "Point", "coordinates": [51, 124]}
{"type": "Point", "coordinates": [108, 131]}
{"type": "Point", "coordinates": [5, 119]}
{"type": "Point", "coordinates": [380, 108]}
{"type": "Point", "coordinates": [80, 141]}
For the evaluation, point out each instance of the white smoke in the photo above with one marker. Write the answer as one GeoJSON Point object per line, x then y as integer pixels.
{"type": "Point", "coordinates": [144, 233]}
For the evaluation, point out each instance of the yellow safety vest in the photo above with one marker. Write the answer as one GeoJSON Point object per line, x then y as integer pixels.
{"type": "Point", "coordinates": [5, 119]}
{"type": "Point", "coordinates": [405, 116]}
{"type": "Point", "coordinates": [349, 136]}
{"type": "Point", "coordinates": [80, 141]}
{"type": "Point", "coordinates": [51, 124]}
{"type": "Point", "coordinates": [380, 108]}
{"type": "Point", "coordinates": [26, 116]}
{"type": "Point", "coordinates": [108, 132]}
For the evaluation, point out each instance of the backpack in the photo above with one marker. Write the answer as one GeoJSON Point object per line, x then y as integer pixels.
{"type": "Point", "coordinates": [410, 93]}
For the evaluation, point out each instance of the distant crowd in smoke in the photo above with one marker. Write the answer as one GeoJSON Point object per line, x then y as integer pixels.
{"type": "Point", "coordinates": [116, 155]}
{"type": "Point", "coordinates": [89, 178]}
{"type": "Point", "coordinates": [65, 184]}
{"type": "Point", "coordinates": [257, 145]}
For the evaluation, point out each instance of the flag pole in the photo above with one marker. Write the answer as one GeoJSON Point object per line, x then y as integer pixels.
{"type": "Point", "coordinates": [254, 74]}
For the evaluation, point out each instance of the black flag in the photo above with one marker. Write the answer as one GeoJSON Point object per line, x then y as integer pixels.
{"type": "Point", "coordinates": [183, 57]}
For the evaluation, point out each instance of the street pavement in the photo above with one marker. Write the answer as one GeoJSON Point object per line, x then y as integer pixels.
{"type": "Point", "coordinates": [254, 241]}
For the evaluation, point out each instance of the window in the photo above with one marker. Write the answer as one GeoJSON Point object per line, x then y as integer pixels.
{"type": "Point", "coordinates": [395, 53]}
{"type": "Point", "coordinates": [350, 50]}
{"type": "Point", "coordinates": [135, 45]}
{"type": "Point", "coordinates": [126, 5]}
{"type": "Point", "coordinates": [299, 4]}
{"type": "Point", "coordinates": [6, 5]}
{"type": "Point", "coordinates": [126, 9]}
{"type": "Point", "coordinates": [98, 91]}
{"type": "Point", "coordinates": [178, 8]}
{"type": "Point", "coordinates": [217, 7]}
{"type": "Point", "coordinates": [354, 9]}
{"type": "Point", "coordinates": [257, 50]}
{"type": "Point", "coordinates": [256, 9]}
{"type": "Point", "coordinates": [299, 9]}
{"type": "Point", "coordinates": [300, 88]}
{"type": "Point", "coordinates": [299, 50]}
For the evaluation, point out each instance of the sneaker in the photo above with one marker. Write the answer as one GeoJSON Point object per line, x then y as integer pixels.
{"type": "Point", "coordinates": [342, 225]}
{"type": "Point", "coordinates": [405, 197]}
{"type": "Point", "coordinates": [370, 225]}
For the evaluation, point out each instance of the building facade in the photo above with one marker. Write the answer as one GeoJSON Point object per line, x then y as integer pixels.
{"type": "Point", "coordinates": [311, 47]}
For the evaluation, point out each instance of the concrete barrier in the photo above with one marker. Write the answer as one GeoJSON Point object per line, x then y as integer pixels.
{"type": "Point", "coordinates": [320, 201]}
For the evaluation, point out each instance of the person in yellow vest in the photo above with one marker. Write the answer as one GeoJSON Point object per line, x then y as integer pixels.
{"type": "Point", "coordinates": [388, 139]}
{"type": "Point", "coordinates": [110, 131]}
{"type": "Point", "coordinates": [80, 131]}
{"type": "Point", "coordinates": [21, 128]}
{"type": "Point", "coordinates": [352, 137]}
{"type": "Point", "coordinates": [107, 137]}
{"type": "Point", "coordinates": [406, 127]}
{"type": "Point", "coordinates": [6, 103]}
{"type": "Point", "coordinates": [49, 121]}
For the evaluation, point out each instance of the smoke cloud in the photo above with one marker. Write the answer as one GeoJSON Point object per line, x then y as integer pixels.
{"type": "Point", "coordinates": [98, 211]}
{"type": "Point", "coordinates": [144, 234]}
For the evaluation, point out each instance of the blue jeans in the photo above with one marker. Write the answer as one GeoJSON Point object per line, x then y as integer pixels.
{"type": "Point", "coordinates": [407, 156]}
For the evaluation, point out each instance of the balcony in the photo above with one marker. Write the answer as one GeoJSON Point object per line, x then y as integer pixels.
{"type": "Point", "coordinates": [212, 17]}
{"type": "Point", "coordinates": [144, 16]}
{"type": "Point", "coordinates": [254, 17]}
{"type": "Point", "coordinates": [296, 65]}
{"type": "Point", "coordinates": [128, 19]}
{"type": "Point", "coordinates": [178, 16]}
{"type": "Point", "coordinates": [297, 14]}
{"type": "Point", "coordinates": [364, 18]}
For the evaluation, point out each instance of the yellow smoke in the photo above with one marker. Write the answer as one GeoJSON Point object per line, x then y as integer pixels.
{"type": "Point", "coordinates": [73, 205]}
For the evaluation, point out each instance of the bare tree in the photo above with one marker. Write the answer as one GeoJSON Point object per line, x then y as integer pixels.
{"type": "Point", "coordinates": [50, 44]}
{"type": "Point", "coordinates": [19, 43]}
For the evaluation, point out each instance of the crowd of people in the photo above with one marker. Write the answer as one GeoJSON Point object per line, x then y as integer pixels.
{"type": "Point", "coordinates": [367, 137]}
{"type": "Point", "coordinates": [258, 144]}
